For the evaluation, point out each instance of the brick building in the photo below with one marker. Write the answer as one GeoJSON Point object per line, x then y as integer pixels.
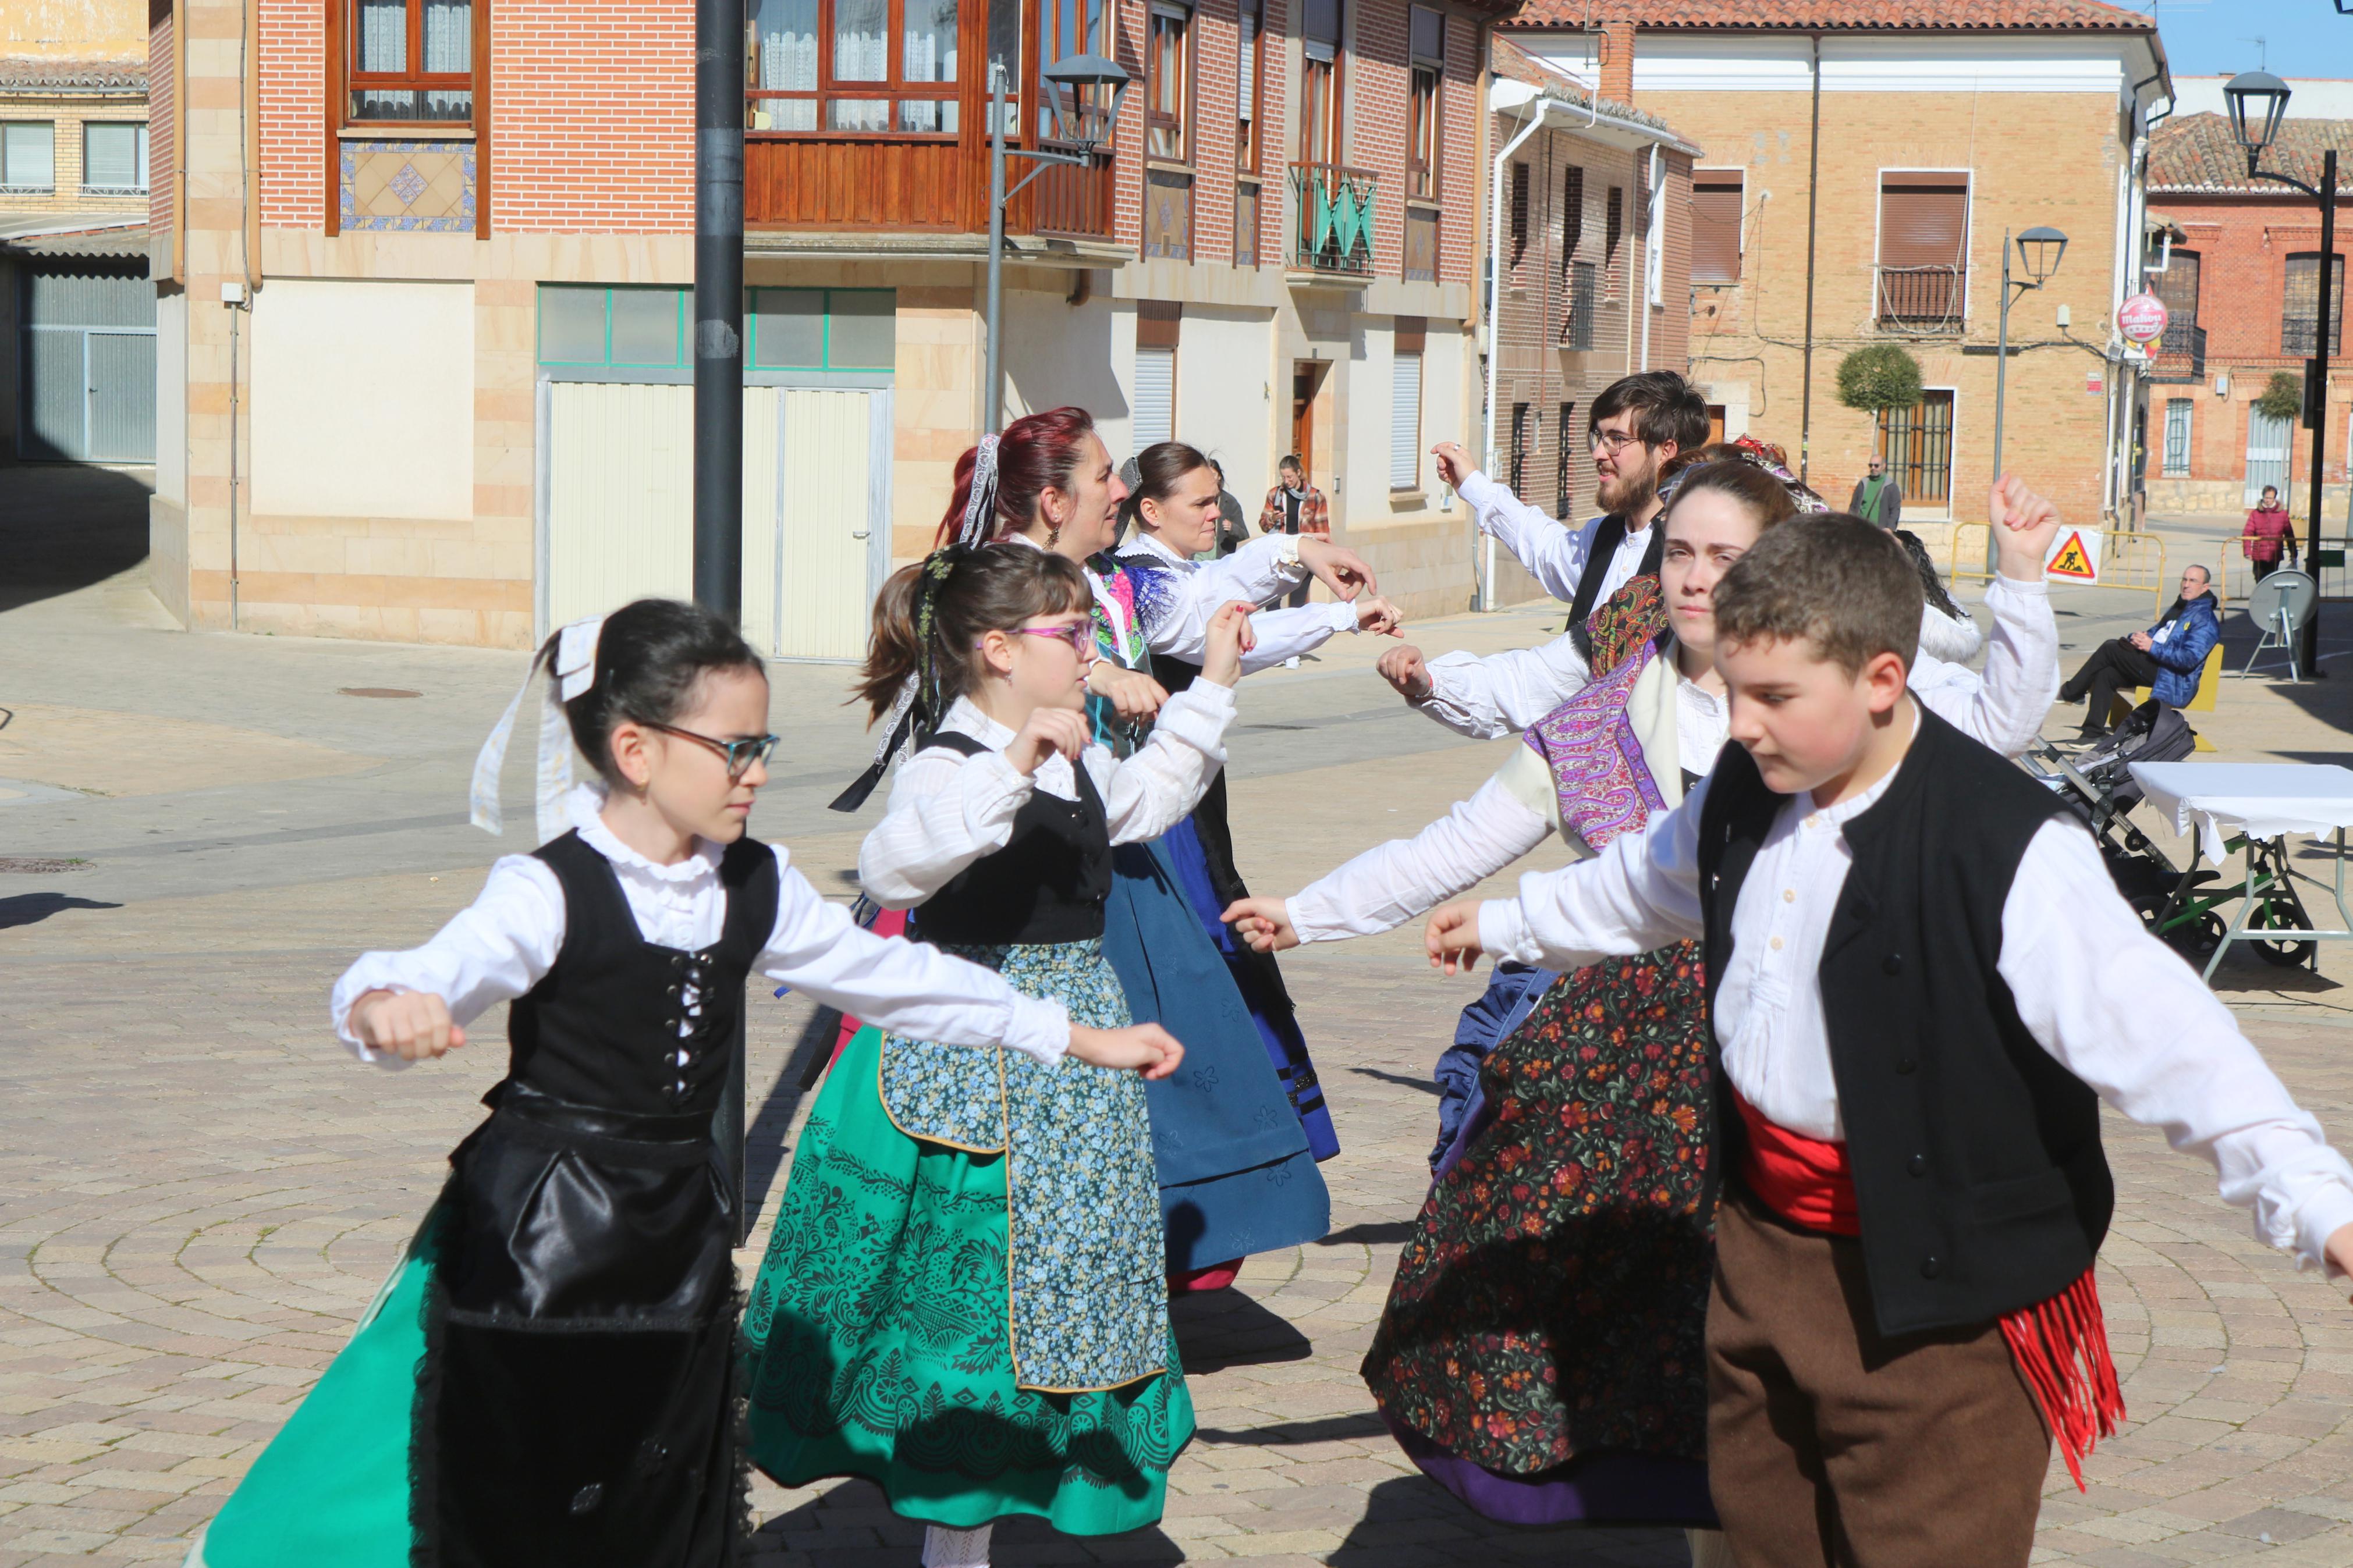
{"type": "Point", "coordinates": [77, 342]}
{"type": "Point", "coordinates": [426, 274]}
{"type": "Point", "coordinates": [1939, 129]}
{"type": "Point", "coordinates": [2239, 276]}
{"type": "Point", "coordinates": [1595, 268]}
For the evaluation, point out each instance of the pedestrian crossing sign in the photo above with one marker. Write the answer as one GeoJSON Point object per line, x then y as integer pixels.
{"type": "Point", "coordinates": [2077, 558]}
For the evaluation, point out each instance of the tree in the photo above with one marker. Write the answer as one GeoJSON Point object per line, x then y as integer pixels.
{"type": "Point", "coordinates": [2284, 397]}
{"type": "Point", "coordinates": [1879, 378]}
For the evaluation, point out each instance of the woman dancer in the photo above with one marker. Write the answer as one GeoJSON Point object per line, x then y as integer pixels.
{"type": "Point", "coordinates": [1173, 506]}
{"type": "Point", "coordinates": [963, 1299]}
{"type": "Point", "coordinates": [1540, 1352]}
{"type": "Point", "coordinates": [545, 1376]}
{"type": "Point", "coordinates": [1237, 1173]}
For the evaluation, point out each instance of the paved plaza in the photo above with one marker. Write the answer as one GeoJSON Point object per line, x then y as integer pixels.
{"type": "Point", "coordinates": [199, 1191]}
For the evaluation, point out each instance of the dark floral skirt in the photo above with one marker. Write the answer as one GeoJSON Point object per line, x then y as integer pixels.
{"type": "Point", "coordinates": [1552, 1300]}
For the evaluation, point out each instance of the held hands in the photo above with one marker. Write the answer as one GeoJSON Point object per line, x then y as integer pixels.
{"type": "Point", "coordinates": [1264, 923]}
{"type": "Point", "coordinates": [1049, 730]}
{"type": "Point", "coordinates": [1374, 614]}
{"type": "Point", "coordinates": [1341, 571]}
{"type": "Point", "coordinates": [1454, 464]}
{"type": "Point", "coordinates": [1140, 1047]}
{"type": "Point", "coordinates": [2140, 640]}
{"type": "Point", "coordinates": [1132, 693]}
{"type": "Point", "coordinates": [1230, 638]}
{"type": "Point", "coordinates": [2023, 526]}
{"type": "Point", "coordinates": [414, 1025]}
{"type": "Point", "coordinates": [1452, 938]}
{"type": "Point", "coordinates": [1403, 669]}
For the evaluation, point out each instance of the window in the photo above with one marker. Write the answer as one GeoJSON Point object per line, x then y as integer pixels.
{"type": "Point", "coordinates": [2176, 286]}
{"type": "Point", "coordinates": [2299, 324]}
{"type": "Point", "coordinates": [1428, 36]}
{"type": "Point", "coordinates": [28, 155]}
{"type": "Point", "coordinates": [2176, 434]}
{"type": "Point", "coordinates": [1918, 442]}
{"type": "Point", "coordinates": [1922, 230]}
{"type": "Point", "coordinates": [1320, 83]}
{"type": "Point", "coordinates": [113, 157]}
{"type": "Point", "coordinates": [412, 61]}
{"type": "Point", "coordinates": [822, 329]}
{"type": "Point", "coordinates": [1246, 91]}
{"type": "Point", "coordinates": [1075, 27]}
{"type": "Point", "coordinates": [617, 329]}
{"type": "Point", "coordinates": [1572, 214]}
{"type": "Point", "coordinates": [1519, 445]}
{"type": "Point", "coordinates": [869, 67]}
{"type": "Point", "coordinates": [1564, 477]}
{"type": "Point", "coordinates": [1153, 404]}
{"type": "Point", "coordinates": [1519, 213]}
{"type": "Point", "coordinates": [1716, 196]}
{"type": "Point", "coordinates": [1617, 225]}
{"type": "Point", "coordinates": [1170, 104]}
{"type": "Point", "coordinates": [1584, 297]}
{"type": "Point", "coordinates": [1405, 404]}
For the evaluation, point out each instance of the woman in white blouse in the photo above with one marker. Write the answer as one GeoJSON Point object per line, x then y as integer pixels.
{"type": "Point", "coordinates": [1589, 1338]}
{"type": "Point", "coordinates": [963, 1299]}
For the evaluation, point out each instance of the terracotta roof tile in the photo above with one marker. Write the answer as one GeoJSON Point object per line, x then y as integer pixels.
{"type": "Point", "coordinates": [1516, 64]}
{"type": "Point", "coordinates": [19, 73]}
{"type": "Point", "coordinates": [2198, 154]}
{"type": "Point", "coordinates": [1842, 16]}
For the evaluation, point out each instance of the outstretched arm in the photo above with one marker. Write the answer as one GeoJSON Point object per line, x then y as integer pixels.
{"type": "Point", "coordinates": [2005, 707]}
{"type": "Point", "coordinates": [1555, 553]}
{"type": "Point", "coordinates": [492, 951]}
{"type": "Point", "coordinates": [1395, 882]}
{"type": "Point", "coordinates": [1500, 694]}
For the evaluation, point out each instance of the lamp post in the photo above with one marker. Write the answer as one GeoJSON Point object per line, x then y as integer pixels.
{"type": "Point", "coordinates": [1066, 80]}
{"type": "Point", "coordinates": [2258, 102]}
{"type": "Point", "coordinates": [2040, 249]}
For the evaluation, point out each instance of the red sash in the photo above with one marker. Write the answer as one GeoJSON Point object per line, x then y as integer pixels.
{"type": "Point", "coordinates": [2060, 1345]}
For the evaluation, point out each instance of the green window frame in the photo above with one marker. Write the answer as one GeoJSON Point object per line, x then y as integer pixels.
{"type": "Point", "coordinates": [775, 346]}
{"type": "Point", "coordinates": [609, 295]}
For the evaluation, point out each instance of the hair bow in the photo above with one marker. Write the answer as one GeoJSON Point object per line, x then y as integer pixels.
{"type": "Point", "coordinates": [571, 661]}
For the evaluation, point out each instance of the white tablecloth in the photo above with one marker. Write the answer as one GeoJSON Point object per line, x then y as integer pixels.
{"type": "Point", "coordinates": [2262, 799]}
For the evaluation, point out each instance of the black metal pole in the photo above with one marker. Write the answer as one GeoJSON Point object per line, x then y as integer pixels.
{"type": "Point", "coordinates": [719, 392]}
{"type": "Point", "coordinates": [2316, 399]}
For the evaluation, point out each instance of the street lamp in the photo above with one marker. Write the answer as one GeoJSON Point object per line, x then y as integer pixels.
{"type": "Point", "coordinates": [2258, 102]}
{"type": "Point", "coordinates": [2040, 249]}
{"type": "Point", "coordinates": [1074, 89]}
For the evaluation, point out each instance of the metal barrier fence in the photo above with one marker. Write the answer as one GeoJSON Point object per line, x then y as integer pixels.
{"type": "Point", "coordinates": [2134, 560]}
{"type": "Point", "coordinates": [2239, 573]}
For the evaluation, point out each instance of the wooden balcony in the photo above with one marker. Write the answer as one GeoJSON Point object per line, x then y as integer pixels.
{"type": "Point", "coordinates": [912, 184]}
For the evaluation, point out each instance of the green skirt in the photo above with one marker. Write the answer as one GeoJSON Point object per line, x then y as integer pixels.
{"type": "Point", "coordinates": [879, 1341]}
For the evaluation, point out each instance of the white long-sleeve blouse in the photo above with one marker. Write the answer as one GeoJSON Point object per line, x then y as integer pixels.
{"type": "Point", "coordinates": [504, 942]}
{"type": "Point", "coordinates": [1172, 623]}
{"type": "Point", "coordinates": [948, 810]}
{"type": "Point", "coordinates": [1265, 568]}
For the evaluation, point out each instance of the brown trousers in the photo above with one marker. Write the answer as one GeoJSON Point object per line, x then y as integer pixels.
{"type": "Point", "coordinates": [1832, 1446]}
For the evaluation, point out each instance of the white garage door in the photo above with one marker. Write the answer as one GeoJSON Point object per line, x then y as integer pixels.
{"type": "Point", "coordinates": [618, 518]}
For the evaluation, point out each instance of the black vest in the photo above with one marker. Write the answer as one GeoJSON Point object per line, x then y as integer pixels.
{"type": "Point", "coordinates": [602, 1027]}
{"type": "Point", "coordinates": [1978, 1169]}
{"type": "Point", "coordinates": [1047, 885]}
{"type": "Point", "coordinates": [1605, 542]}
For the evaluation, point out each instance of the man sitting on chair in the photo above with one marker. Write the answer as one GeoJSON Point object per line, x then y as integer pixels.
{"type": "Point", "coordinates": [2167, 659]}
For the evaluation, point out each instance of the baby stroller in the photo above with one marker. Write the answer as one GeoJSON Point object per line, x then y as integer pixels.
{"type": "Point", "coordinates": [2179, 908]}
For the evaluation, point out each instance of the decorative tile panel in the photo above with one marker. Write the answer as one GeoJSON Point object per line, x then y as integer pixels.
{"type": "Point", "coordinates": [417, 187]}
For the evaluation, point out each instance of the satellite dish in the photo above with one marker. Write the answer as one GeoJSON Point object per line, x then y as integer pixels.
{"type": "Point", "coordinates": [2288, 593]}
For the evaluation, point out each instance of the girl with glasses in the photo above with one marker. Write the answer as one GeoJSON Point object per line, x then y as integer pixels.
{"type": "Point", "coordinates": [961, 1301]}
{"type": "Point", "coordinates": [547, 1376]}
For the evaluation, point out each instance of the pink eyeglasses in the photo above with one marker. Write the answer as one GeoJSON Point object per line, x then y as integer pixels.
{"type": "Point", "coordinates": [1080, 635]}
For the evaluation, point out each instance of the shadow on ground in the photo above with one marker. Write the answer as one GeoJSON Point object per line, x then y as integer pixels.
{"type": "Point", "coordinates": [1218, 1329]}
{"type": "Point", "coordinates": [64, 526]}
{"type": "Point", "coordinates": [31, 908]}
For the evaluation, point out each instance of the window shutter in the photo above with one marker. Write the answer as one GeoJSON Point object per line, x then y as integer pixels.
{"type": "Point", "coordinates": [1155, 397]}
{"type": "Point", "coordinates": [1572, 214]}
{"type": "Point", "coordinates": [1922, 219]}
{"type": "Point", "coordinates": [1519, 212]}
{"type": "Point", "coordinates": [109, 156]}
{"type": "Point", "coordinates": [1717, 200]}
{"type": "Point", "coordinates": [1247, 93]}
{"type": "Point", "coordinates": [29, 154]}
{"type": "Point", "coordinates": [1405, 422]}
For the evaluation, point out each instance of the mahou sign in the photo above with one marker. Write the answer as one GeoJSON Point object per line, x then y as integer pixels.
{"type": "Point", "coordinates": [2141, 319]}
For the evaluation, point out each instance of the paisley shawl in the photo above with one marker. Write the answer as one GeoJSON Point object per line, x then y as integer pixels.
{"type": "Point", "coordinates": [1599, 773]}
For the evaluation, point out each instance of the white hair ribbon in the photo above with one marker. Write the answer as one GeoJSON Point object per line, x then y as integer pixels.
{"type": "Point", "coordinates": [980, 502]}
{"type": "Point", "coordinates": [572, 670]}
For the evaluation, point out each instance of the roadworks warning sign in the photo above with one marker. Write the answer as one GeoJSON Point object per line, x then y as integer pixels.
{"type": "Point", "coordinates": [2075, 556]}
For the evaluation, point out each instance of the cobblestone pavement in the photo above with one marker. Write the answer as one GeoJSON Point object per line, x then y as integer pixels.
{"type": "Point", "coordinates": [199, 1193]}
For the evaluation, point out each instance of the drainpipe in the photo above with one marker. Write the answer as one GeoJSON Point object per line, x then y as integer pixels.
{"type": "Point", "coordinates": [1813, 202]}
{"type": "Point", "coordinates": [1654, 269]}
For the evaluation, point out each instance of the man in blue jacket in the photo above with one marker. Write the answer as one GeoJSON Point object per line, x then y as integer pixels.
{"type": "Point", "coordinates": [2167, 659]}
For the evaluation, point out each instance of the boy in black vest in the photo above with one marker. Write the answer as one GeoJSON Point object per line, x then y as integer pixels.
{"type": "Point", "coordinates": [1923, 984]}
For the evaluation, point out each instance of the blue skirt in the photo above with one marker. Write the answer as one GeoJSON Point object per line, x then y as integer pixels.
{"type": "Point", "coordinates": [1237, 1173]}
